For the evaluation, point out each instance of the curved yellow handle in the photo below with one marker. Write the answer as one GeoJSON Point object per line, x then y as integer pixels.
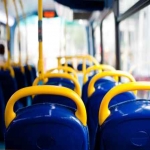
{"type": "Point", "coordinates": [67, 69]}
{"type": "Point", "coordinates": [60, 75]}
{"type": "Point", "coordinates": [98, 67]}
{"type": "Point", "coordinates": [45, 89]}
{"type": "Point", "coordinates": [91, 88]}
{"type": "Point", "coordinates": [82, 57]}
{"type": "Point", "coordinates": [5, 67]}
{"type": "Point", "coordinates": [104, 112]}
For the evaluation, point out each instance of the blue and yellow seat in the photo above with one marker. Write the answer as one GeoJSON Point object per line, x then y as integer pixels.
{"type": "Point", "coordinates": [124, 126]}
{"type": "Point", "coordinates": [46, 126]}
{"type": "Point", "coordinates": [96, 94]}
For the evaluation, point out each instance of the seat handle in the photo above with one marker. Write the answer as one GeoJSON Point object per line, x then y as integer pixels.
{"type": "Point", "coordinates": [60, 75]}
{"type": "Point", "coordinates": [99, 68]}
{"type": "Point", "coordinates": [116, 73]}
{"type": "Point", "coordinates": [64, 68]}
{"type": "Point", "coordinates": [45, 89]}
{"type": "Point", "coordinates": [104, 112]}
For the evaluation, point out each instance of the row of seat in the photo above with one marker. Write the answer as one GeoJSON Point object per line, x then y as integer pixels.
{"type": "Point", "coordinates": [13, 78]}
{"type": "Point", "coordinates": [60, 119]}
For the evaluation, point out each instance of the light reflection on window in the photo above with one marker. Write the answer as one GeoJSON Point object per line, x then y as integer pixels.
{"type": "Point", "coordinates": [109, 40]}
{"type": "Point", "coordinates": [134, 40]}
{"type": "Point", "coordinates": [124, 5]}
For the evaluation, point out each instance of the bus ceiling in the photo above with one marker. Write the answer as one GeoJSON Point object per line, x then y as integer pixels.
{"type": "Point", "coordinates": [79, 9]}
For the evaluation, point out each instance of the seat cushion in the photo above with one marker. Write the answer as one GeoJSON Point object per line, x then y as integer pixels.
{"type": "Point", "coordinates": [46, 126]}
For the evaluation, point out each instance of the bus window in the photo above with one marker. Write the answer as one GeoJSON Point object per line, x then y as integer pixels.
{"type": "Point", "coordinates": [109, 40]}
{"type": "Point", "coordinates": [134, 40]}
{"type": "Point", "coordinates": [97, 43]}
{"type": "Point", "coordinates": [124, 5]}
{"type": "Point", "coordinates": [76, 38]}
{"type": "Point", "coordinates": [51, 41]}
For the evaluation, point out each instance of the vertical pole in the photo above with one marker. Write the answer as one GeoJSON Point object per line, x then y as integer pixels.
{"type": "Point", "coordinates": [116, 12]}
{"type": "Point", "coordinates": [101, 37]}
{"type": "Point", "coordinates": [17, 18]}
{"type": "Point", "coordinates": [40, 38]}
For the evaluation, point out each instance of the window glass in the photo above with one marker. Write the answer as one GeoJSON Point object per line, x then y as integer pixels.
{"type": "Point", "coordinates": [134, 40]}
{"type": "Point", "coordinates": [3, 32]}
{"type": "Point", "coordinates": [76, 38]}
{"type": "Point", "coordinates": [58, 39]}
{"type": "Point", "coordinates": [51, 41]}
{"type": "Point", "coordinates": [124, 5]}
{"type": "Point", "coordinates": [97, 43]}
{"type": "Point", "coordinates": [109, 40]}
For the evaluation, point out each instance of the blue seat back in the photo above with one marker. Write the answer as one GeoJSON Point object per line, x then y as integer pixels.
{"type": "Point", "coordinates": [54, 98]}
{"type": "Point", "coordinates": [46, 126]}
{"type": "Point", "coordinates": [85, 88]}
{"type": "Point", "coordinates": [21, 82]}
{"type": "Point", "coordinates": [79, 67]}
{"type": "Point", "coordinates": [93, 105]}
{"type": "Point", "coordinates": [61, 82]}
{"type": "Point", "coordinates": [33, 72]}
{"type": "Point", "coordinates": [2, 108]}
{"type": "Point", "coordinates": [29, 75]}
{"type": "Point", "coordinates": [8, 84]}
{"type": "Point", "coordinates": [127, 128]}
{"type": "Point", "coordinates": [9, 87]}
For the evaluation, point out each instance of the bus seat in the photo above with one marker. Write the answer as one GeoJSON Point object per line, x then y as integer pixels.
{"type": "Point", "coordinates": [93, 105]}
{"type": "Point", "coordinates": [69, 65]}
{"type": "Point", "coordinates": [48, 126]}
{"type": "Point", "coordinates": [61, 82]}
{"type": "Point", "coordinates": [9, 86]}
{"type": "Point", "coordinates": [8, 83]}
{"type": "Point", "coordinates": [127, 127]}
{"type": "Point", "coordinates": [29, 75]}
{"type": "Point", "coordinates": [2, 108]}
{"type": "Point", "coordinates": [33, 72]}
{"type": "Point", "coordinates": [54, 98]}
{"type": "Point", "coordinates": [21, 82]}
{"type": "Point", "coordinates": [85, 88]}
{"type": "Point", "coordinates": [79, 67]}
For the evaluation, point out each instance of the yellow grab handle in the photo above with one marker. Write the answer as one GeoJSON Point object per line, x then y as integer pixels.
{"type": "Point", "coordinates": [104, 112]}
{"type": "Point", "coordinates": [97, 67]}
{"type": "Point", "coordinates": [116, 73]}
{"type": "Point", "coordinates": [45, 89]}
{"type": "Point", "coordinates": [69, 69]}
{"type": "Point", "coordinates": [60, 75]}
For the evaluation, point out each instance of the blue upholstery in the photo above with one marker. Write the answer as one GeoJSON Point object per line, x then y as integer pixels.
{"type": "Point", "coordinates": [2, 108]}
{"type": "Point", "coordinates": [46, 126]}
{"type": "Point", "coordinates": [21, 82]}
{"type": "Point", "coordinates": [61, 82]}
{"type": "Point", "coordinates": [9, 87]}
{"type": "Point", "coordinates": [69, 65]}
{"type": "Point", "coordinates": [85, 88]}
{"type": "Point", "coordinates": [79, 67]}
{"type": "Point", "coordinates": [93, 105]}
{"type": "Point", "coordinates": [54, 98]}
{"type": "Point", "coordinates": [29, 76]}
{"type": "Point", "coordinates": [33, 72]}
{"type": "Point", "coordinates": [127, 128]}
